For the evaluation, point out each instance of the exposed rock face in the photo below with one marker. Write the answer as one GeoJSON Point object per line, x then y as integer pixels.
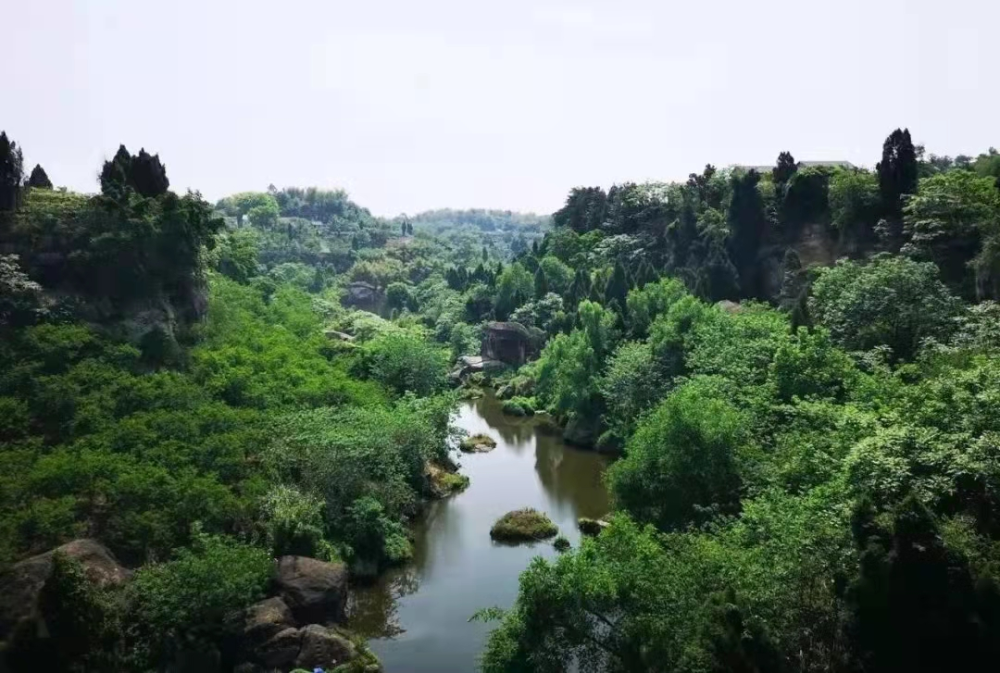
{"type": "Point", "coordinates": [20, 586]}
{"type": "Point", "coordinates": [271, 640]}
{"type": "Point", "coordinates": [470, 364]}
{"type": "Point", "coordinates": [281, 651]}
{"type": "Point", "coordinates": [265, 620]}
{"type": "Point", "coordinates": [508, 342]}
{"type": "Point", "coordinates": [323, 648]}
{"type": "Point", "coordinates": [364, 296]}
{"type": "Point", "coordinates": [314, 590]}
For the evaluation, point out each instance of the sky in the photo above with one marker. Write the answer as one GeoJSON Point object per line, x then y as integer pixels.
{"type": "Point", "coordinates": [437, 103]}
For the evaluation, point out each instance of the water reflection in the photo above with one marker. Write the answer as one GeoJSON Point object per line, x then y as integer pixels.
{"type": "Point", "coordinates": [418, 615]}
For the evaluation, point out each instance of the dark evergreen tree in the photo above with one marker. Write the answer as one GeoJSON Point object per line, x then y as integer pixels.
{"type": "Point", "coordinates": [784, 169]}
{"type": "Point", "coordinates": [115, 173]}
{"type": "Point", "coordinates": [11, 173]}
{"type": "Point", "coordinates": [541, 283]}
{"type": "Point", "coordinates": [580, 288]}
{"type": "Point", "coordinates": [748, 230]}
{"type": "Point", "coordinates": [148, 175]}
{"type": "Point", "coordinates": [596, 293]}
{"type": "Point", "coordinates": [584, 211]}
{"type": "Point", "coordinates": [682, 234]}
{"type": "Point", "coordinates": [617, 287]}
{"type": "Point", "coordinates": [645, 275]}
{"type": "Point", "coordinates": [402, 228]}
{"type": "Point", "coordinates": [144, 173]}
{"type": "Point", "coordinates": [39, 179]}
{"type": "Point", "coordinates": [897, 172]}
{"type": "Point", "coordinates": [486, 255]}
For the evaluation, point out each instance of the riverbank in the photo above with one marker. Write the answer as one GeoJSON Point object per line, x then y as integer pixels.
{"type": "Point", "coordinates": [416, 615]}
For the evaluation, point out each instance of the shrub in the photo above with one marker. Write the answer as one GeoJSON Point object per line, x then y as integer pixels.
{"type": "Point", "coordinates": [523, 525]}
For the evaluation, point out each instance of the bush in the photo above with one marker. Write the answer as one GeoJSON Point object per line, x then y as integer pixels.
{"type": "Point", "coordinates": [523, 525]}
{"type": "Point", "coordinates": [891, 301]}
{"type": "Point", "coordinates": [519, 406]}
{"type": "Point", "coordinates": [561, 543]}
{"type": "Point", "coordinates": [191, 595]}
{"type": "Point", "coordinates": [293, 522]}
{"type": "Point", "coordinates": [681, 464]}
{"type": "Point", "coordinates": [404, 362]}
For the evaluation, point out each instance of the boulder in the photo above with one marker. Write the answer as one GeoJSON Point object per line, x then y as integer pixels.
{"type": "Point", "coordinates": [281, 651]}
{"type": "Point", "coordinates": [582, 431]}
{"type": "Point", "coordinates": [314, 590]}
{"type": "Point", "coordinates": [264, 620]}
{"type": "Point", "coordinates": [323, 648]}
{"type": "Point", "coordinates": [21, 585]}
{"type": "Point", "coordinates": [508, 342]}
{"type": "Point", "coordinates": [478, 444]}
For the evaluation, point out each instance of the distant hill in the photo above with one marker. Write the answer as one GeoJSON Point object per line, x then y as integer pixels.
{"type": "Point", "coordinates": [444, 219]}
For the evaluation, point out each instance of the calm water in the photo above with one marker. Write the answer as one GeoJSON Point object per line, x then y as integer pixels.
{"type": "Point", "coordinates": [417, 616]}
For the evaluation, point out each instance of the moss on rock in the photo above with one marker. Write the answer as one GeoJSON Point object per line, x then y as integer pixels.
{"type": "Point", "coordinates": [478, 444]}
{"type": "Point", "coordinates": [523, 525]}
{"type": "Point", "coordinates": [590, 526]}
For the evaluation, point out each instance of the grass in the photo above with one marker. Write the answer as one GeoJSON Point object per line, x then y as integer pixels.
{"type": "Point", "coordinates": [478, 444]}
{"type": "Point", "coordinates": [523, 525]}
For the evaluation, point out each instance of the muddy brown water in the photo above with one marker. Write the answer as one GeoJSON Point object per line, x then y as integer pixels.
{"type": "Point", "coordinates": [417, 616]}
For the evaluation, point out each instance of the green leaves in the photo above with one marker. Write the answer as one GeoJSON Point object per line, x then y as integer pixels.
{"type": "Point", "coordinates": [890, 301]}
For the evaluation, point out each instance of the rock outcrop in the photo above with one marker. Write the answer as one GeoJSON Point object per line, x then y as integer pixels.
{"type": "Point", "coordinates": [270, 639]}
{"type": "Point", "coordinates": [314, 590]}
{"type": "Point", "coordinates": [21, 585]}
{"type": "Point", "coordinates": [364, 296]}
{"type": "Point", "coordinates": [508, 342]}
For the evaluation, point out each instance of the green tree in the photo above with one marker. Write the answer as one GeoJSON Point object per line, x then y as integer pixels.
{"type": "Point", "coordinates": [11, 173]}
{"type": "Point", "coordinates": [784, 169]}
{"type": "Point", "coordinates": [617, 286]}
{"type": "Point", "coordinates": [558, 275]}
{"type": "Point", "coordinates": [143, 173]}
{"type": "Point", "coordinates": [681, 465]}
{"type": "Point", "coordinates": [891, 301]}
{"type": "Point", "coordinates": [541, 284]}
{"type": "Point", "coordinates": [748, 227]}
{"type": "Point", "coordinates": [854, 202]}
{"type": "Point", "coordinates": [897, 172]}
{"type": "Point", "coordinates": [190, 596]}
{"type": "Point", "coordinates": [39, 179]}
{"type": "Point", "coordinates": [947, 221]}
{"type": "Point", "coordinates": [404, 362]}
{"type": "Point", "coordinates": [631, 384]}
{"type": "Point", "coordinates": [515, 286]}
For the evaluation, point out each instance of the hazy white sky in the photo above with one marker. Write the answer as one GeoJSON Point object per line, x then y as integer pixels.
{"type": "Point", "coordinates": [411, 105]}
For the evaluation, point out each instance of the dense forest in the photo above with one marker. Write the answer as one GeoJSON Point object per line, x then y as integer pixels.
{"type": "Point", "coordinates": [799, 368]}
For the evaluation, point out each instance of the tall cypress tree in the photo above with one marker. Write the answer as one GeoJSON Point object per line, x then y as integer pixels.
{"type": "Point", "coordinates": [617, 287]}
{"type": "Point", "coordinates": [115, 172]}
{"type": "Point", "coordinates": [748, 230]}
{"type": "Point", "coordinates": [897, 172]}
{"type": "Point", "coordinates": [541, 283]}
{"type": "Point", "coordinates": [645, 275]}
{"type": "Point", "coordinates": [144, 173]}
{"type": "Point", "coordinates": [11, 173]}
{"type": "Point", "coordinates": [39, 179]}
{"type": "Point", "coordinates": [784, 169]}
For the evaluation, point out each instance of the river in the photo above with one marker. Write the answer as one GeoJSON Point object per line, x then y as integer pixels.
{"type": "Point", "coordinates": [416, 616]}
